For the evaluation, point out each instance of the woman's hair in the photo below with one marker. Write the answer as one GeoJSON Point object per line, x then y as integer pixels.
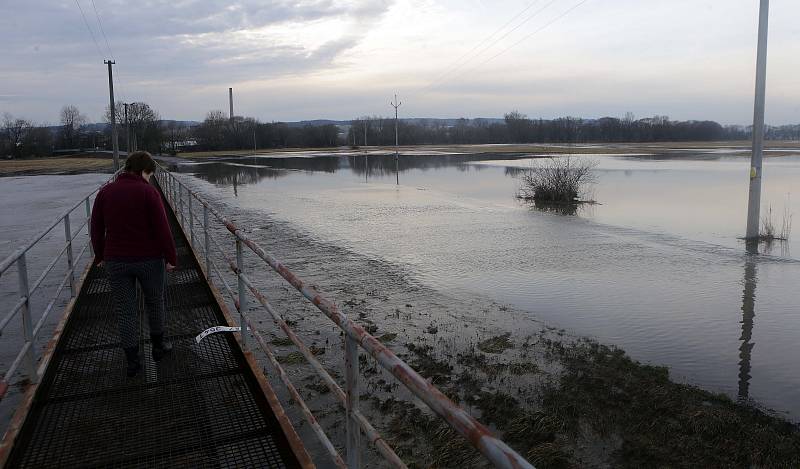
{"type": "Point", "coordinates": [140, 161]}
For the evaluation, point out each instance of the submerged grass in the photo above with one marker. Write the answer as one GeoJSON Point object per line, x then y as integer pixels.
{"type": "Point", "coordinates": [603, 409]}
{"type": "Point", "coordinates": [442, 448]}
{"type": "Point", "coordinates": [282, 341]}
{"type": "Point", "coordinates": [388, 337]}
{"type": "Point", "coordinates": [428, 366]}
{"type": "Point", "coordinates": [294, 358]}
{"type": "Point", "coordinates": [496, 344]}
{"type": "Point", "coordinates": [662, 423]}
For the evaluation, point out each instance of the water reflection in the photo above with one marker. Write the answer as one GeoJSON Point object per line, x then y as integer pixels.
{"type": "Point", "coordinates": [681, 156]}
{"type": "Point", "coordinates": [561, 209]}
{"type": "Point", "coordinates": [748, 316]}
{"type": "Point", "coordinates": [251, 170]}
{"type": "Point", "coordinates": [233, 174]}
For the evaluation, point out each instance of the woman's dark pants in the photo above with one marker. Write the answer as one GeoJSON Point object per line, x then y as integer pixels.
{"type": "Point", "coordinates": [122, 276]}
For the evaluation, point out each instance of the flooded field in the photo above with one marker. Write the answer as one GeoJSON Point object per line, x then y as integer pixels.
{"type": "Point", "coordinates": [491, 299]}
{"type": "Point", "coordinates": [30, 204]}
{"type": "Point", "coordinates": [655, 267]}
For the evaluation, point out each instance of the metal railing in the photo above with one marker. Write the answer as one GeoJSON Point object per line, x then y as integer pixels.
{"type": "Point", "coordinates": [183, 199]}
{"type": "Point", "coordinates": [27, 355]}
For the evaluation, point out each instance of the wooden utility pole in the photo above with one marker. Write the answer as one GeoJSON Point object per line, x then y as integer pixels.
{"type": "Point", "coordinates": [396, 104]}
{"type": "Point", "coordinates": [114, 143]}
{"type": "Point", "coordinates": [754, 200]}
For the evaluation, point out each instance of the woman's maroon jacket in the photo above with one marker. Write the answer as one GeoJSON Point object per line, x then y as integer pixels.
{"type": "Point", "coordinates": [129, 222]}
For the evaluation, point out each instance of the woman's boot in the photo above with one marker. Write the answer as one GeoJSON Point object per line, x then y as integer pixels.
{"type": "Point", "coordinates": [132, 356]}
{"type": "Point", "coordinates": [160, 346]}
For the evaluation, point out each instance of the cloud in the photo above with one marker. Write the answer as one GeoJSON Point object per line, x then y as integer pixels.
{"type": "Point", "coordinates": [182, 43]}
{"type": "Point", "coordinates": [296, 59]}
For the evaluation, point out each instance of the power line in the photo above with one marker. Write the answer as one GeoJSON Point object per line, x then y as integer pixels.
{"type": "Point", "coordinates": [487, 38]}
{"type": "Point", "coordinates": [100, 24]}
{"type": "Point", "coordinates": [117, 77]}
{"type": "Point", "coordinates": [89, 29]}
{"type": "Point", "coordinates": [492, 44]}
{"type": "Point", "coordinates": [525, 38]}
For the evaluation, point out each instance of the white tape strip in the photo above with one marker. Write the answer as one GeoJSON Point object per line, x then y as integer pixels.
{"type": "Point", "coordinates": [212, 330]}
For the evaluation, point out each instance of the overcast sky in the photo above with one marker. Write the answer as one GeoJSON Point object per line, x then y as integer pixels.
{"type": "Point", "coordinates": [338, 59]}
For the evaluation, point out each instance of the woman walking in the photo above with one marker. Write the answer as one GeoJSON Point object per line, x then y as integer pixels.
{"type": "Point", "coordinates": [132, 240]}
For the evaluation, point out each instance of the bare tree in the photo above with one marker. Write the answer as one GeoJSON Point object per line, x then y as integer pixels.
{"type": "Point", "coordinates": [144, 125]}
{"type": "Point", "coordinates": [518, 126]}
{"type": "Point", "coordinates": [71, 122]}
{"type": "Point", "coordinates": [212, 132]}
{"type": "Point", "coordinates": [16, 132]}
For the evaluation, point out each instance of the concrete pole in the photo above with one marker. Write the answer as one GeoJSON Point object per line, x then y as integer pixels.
{"type": "Point", "coordinates": [754, 201]}
{"type": "Point", "coordinates": [114, 142]}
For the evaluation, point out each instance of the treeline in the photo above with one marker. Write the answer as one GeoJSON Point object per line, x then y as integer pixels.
{"type": "Point", "coordinates": [22, 138]}
{"type": "Point", "coordinates": [140, 127]}
{"type": "Point", "coordinates": [518, 128]}
{"type": "Point", "coordinates": [145, 130]}
{"type": "Point", "coordinates": [219, 132]}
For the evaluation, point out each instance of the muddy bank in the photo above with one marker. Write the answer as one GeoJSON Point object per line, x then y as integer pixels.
{"type": "Point", "coordinates": [559, 400]}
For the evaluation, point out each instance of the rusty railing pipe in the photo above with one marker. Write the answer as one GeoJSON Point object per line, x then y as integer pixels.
{"type": "Point", "coordinates": [495, 450]}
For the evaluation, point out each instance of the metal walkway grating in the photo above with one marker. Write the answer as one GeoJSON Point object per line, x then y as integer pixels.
{"type": "Point", "coordinates": [199, 407]}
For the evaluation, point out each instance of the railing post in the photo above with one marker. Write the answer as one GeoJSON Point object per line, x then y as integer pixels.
{"type": "Point", "coordinates": [70, 261]}
{"type": "Point", "coordinates": [206, 242]}
{"type": "Point", "coordinates": [180, 203]}
{"type": "Point", "coordinates": [88, 226]}
{"type": "Point", "coordinates": [351, 403]}
{"type": "Point", "coordinates": [27, 323]}
{"type": "Point", "coordinates": [242, 293]}
{"type": "Point", "coordinates": [191, 219]}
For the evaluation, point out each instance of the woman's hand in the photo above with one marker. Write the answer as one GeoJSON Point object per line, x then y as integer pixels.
{"type": "Point", "coordinates": [170, 267]}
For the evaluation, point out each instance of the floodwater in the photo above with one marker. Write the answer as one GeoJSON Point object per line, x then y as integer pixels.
{"type": "Point", "coordinates": [30, 204]}
{"type": "Point", "coordinates": [655, 267]}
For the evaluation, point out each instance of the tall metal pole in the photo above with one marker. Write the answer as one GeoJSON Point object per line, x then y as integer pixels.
{"type": "Point", "coordinates": [114, 142]}
{"type": "Point", "coordinates": [230, 101]}
{"type": "Point", "coordinates": [396, 104]}
{"type": "Point", "coordinates": [754, 201]}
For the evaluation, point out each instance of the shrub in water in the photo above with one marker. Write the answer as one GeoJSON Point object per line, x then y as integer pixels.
{"type": "Point", "coordinates": [557, 180]}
